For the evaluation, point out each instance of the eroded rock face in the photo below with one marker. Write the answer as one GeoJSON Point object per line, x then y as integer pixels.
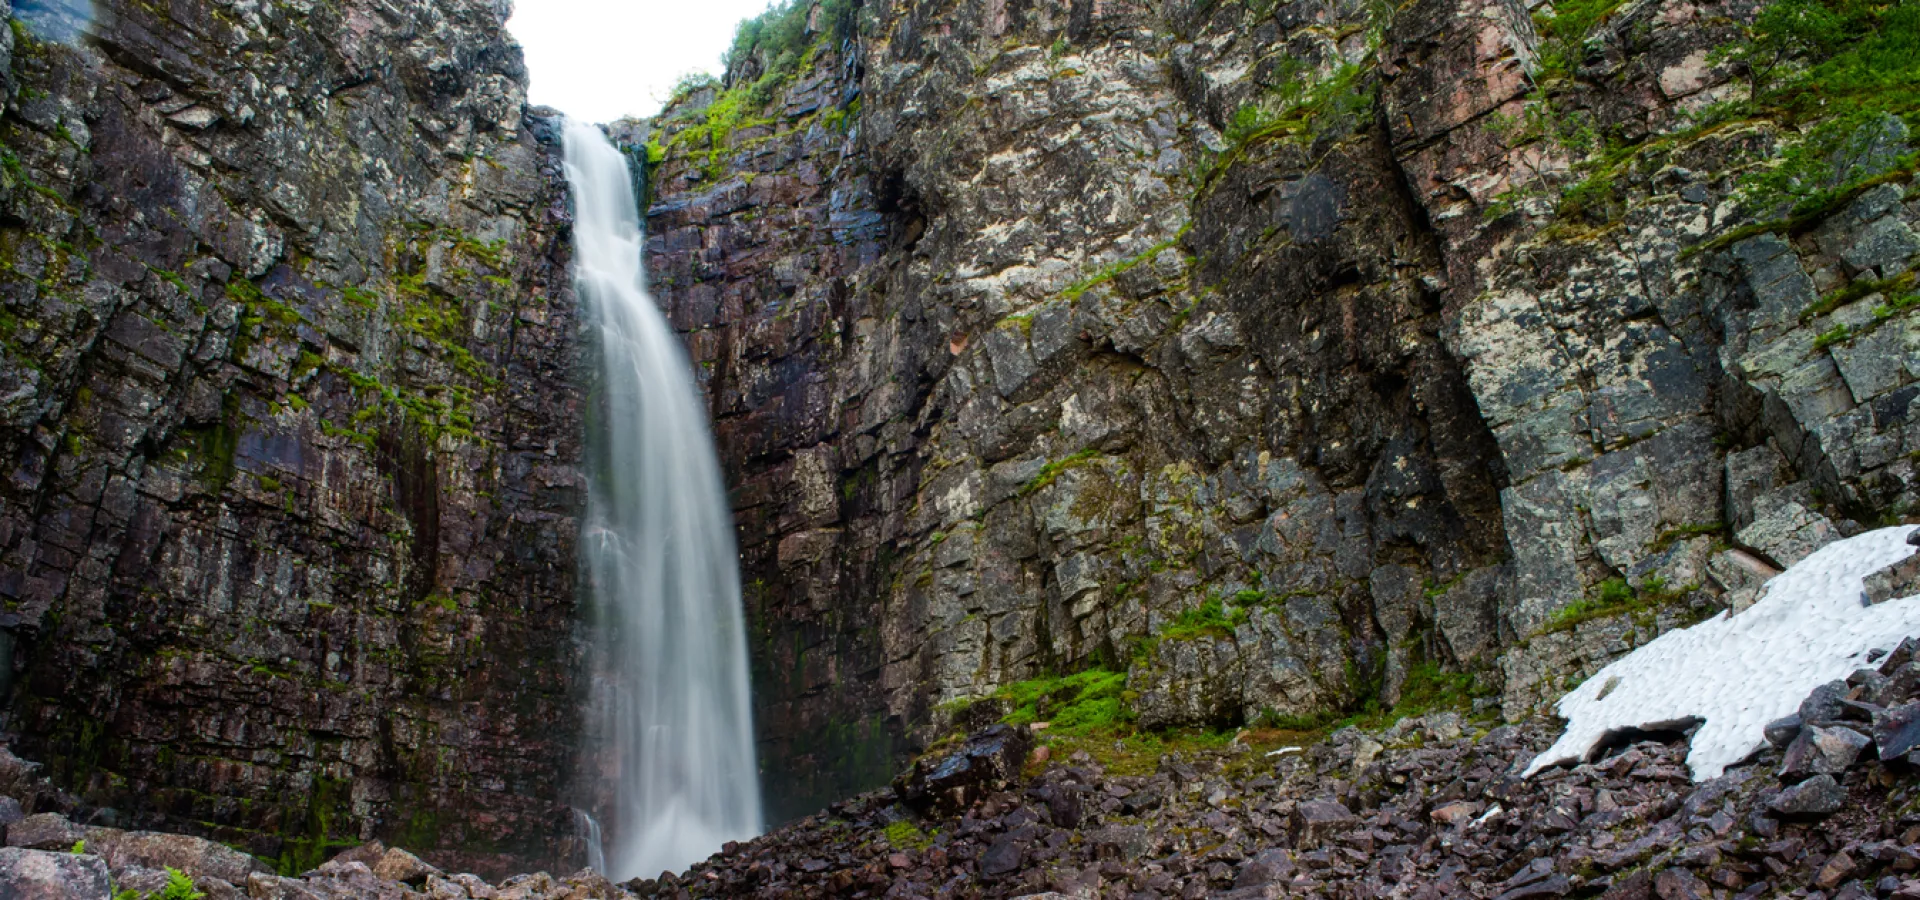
{"type": "Point", "coordinates": [1029, 351]}
{"type": "Point", "coordinates": [288, 404]}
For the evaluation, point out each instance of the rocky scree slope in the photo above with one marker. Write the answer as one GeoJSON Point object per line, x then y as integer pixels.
{"type": "Point", "coordinates": [1275, 354]}
{"type": "Point", "coordinates": [289, 405]}
{"type": "Point", "coordinates": [1430, 807]}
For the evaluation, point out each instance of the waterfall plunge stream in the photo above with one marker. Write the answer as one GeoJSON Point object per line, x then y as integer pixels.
{"type": "Point", "coordinates": [675, 733]}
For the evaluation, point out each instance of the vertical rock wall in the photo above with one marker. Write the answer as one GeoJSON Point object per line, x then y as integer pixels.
{"type": "Point", "coordinates": [1030, 328]}
{"type": "Point", "coordinates": [291, 423]}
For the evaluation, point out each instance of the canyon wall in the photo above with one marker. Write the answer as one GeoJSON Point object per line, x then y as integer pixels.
{"type": "Point", "coordinates": [1285, 356]}
{"type": "Point", "coordinates": [1290, 359]}
{"type": "Point", "coordinates": [291, 419]}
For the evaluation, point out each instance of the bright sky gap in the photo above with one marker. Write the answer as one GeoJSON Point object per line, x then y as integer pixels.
{"type": "Point", "coordinates": [600, 60]}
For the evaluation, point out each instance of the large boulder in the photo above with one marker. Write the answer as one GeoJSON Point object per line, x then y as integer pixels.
{"type": "Point", "coordinates": [45, 831]}
{"type": "Point", "coordinates": [1313, 821]}
{"type": "Point", "coordinates": [197, 857]}
{"type": "Point", "coordinates": [947, 782]}
{"type": "Point", "coordinates": [49, 875]}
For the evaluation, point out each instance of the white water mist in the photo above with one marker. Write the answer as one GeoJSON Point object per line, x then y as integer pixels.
{"type": "Point", "coordinates": [670, 670]}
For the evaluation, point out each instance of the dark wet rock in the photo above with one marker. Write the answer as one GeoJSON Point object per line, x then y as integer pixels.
{"type": "Point", "coordinates": [1825, 705]}
{"type": "Point", "coordinates": [1781, 732]}
{"type": "Point", "coordinates": [986, 762]}
{"type": "Point", "coordinates": [1896, 732]}
{"type": "Point", "coordinates": [293, 435]}
{"type": "Point", "coordinates": [1313, 821]}
{"type": "Point", "coordinates": [1818, 796]}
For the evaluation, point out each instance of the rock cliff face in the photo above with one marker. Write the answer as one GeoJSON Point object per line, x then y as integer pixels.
{"type": "Point", "coordinates": [291, 426]}
{"type": "Point", "coordinates": [1277, 357]}
{"type": "Point", "coordinates": [1279, 354]}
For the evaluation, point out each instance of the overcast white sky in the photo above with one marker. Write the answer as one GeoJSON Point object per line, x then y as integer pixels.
{"type": "Point", "coordinates": [602, 59]}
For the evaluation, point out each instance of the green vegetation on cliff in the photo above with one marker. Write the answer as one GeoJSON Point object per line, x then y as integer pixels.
{"type": "Point", "coordinates": [1841, 77]}
{"type": "Point", "coordinates": [1846, 74]}
{"type": "Point", "coordinates": [779, 38]}
{"type": "Point", "coordinates": [1074, 705]}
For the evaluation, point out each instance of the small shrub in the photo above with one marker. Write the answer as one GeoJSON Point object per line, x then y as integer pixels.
{"type": "Point", "coordinates": [179, 887]}
{"type": "Point", "coordinates": [1838, 334]}
{"type": "Point", "coordinates": [905, 835]}
{"type": "Point", "coordinates": [1301, 105]}
{"type": "Point", "coordinates": [1210, 619]}
{"type": "Point", "coordinates": [1075, 704]}
{"type": "Point", "coordinates": [1051, 471]}
{"type": "Point", "coordinates": [1842, 71]}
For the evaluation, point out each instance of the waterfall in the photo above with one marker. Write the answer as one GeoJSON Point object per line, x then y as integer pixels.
{"type": "Point", "coordinates": [588, 828]}
{"type": "Point", "coordinates": [675, 734]}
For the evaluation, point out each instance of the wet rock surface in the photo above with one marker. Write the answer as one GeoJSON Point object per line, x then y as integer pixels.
{"type": "Point", "coordinates": [955, 779]}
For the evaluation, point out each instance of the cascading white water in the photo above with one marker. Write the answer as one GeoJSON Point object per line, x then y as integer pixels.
{"type": "Point", "coordinates": [670, 669]}
{"type": "Point", "coordinates": [589, 830]}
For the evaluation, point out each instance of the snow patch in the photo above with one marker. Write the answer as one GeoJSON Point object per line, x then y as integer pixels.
{"type": "Point", "coordinates": [1736, 673]}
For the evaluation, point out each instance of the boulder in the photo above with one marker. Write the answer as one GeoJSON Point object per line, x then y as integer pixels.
{"type": "Point", "coordinates": [1456, 812]}
{"type": "Point", "coordinates": [1818, 749]}
{"type": "Point", "coordinates": [10, 812]}
{"type": "Point", "coordinates": [274, 887]}
{"type": "Point", "coordinates": [16, 774]}
{"type": "Point", "coordinates": [1315, 820]}
{"type": "Point", "coordinates": [1823, 705]}
{"type": "Point", "coordinates": [45, 831]}
{"type": "Point", "coordinates": [1815, 797]}
{"type": "Point", "coordinates": [197, 857]}
{"type": "Point", "coordinates": [1897, 731]}
{"type": "Point", "coordinates": [945, 783]}
{"type": "Point", "coordinates": [366, 854]}
{"type": "Point", "coordinates": [48, 875]}
{"type": "Point", "coordinates": [1003, 856]}
{"type": "Point", "coordinates": [1781, 732]}
{"type": "Point", "coordinates": [399, 865]}
{"type": "Point", "coordinates": [1266, 867]}
{"type": "Point", "coordinates": [1902, 579]}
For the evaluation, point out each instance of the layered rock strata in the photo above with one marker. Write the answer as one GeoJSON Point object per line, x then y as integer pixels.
{"type": "Point", "coordinates": [1258, 350]}
{"type": "Point", "coordinates": [291, 423]}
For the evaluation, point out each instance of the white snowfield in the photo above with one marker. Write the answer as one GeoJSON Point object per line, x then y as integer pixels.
{"type": "Point", "coordinates": [1736, 673]}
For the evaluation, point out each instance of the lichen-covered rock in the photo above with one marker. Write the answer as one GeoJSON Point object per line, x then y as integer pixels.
{"type": "Point", "coordinates": [1036, 348]}
{"type": "Point", "coordinates": [288, 404]}
{"type": "Point", "coordinates": [158, 850]}
{"type": "Point", "coordinates": [45, 831]}
{"type": "Point", "coordinates": [45, 875]}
